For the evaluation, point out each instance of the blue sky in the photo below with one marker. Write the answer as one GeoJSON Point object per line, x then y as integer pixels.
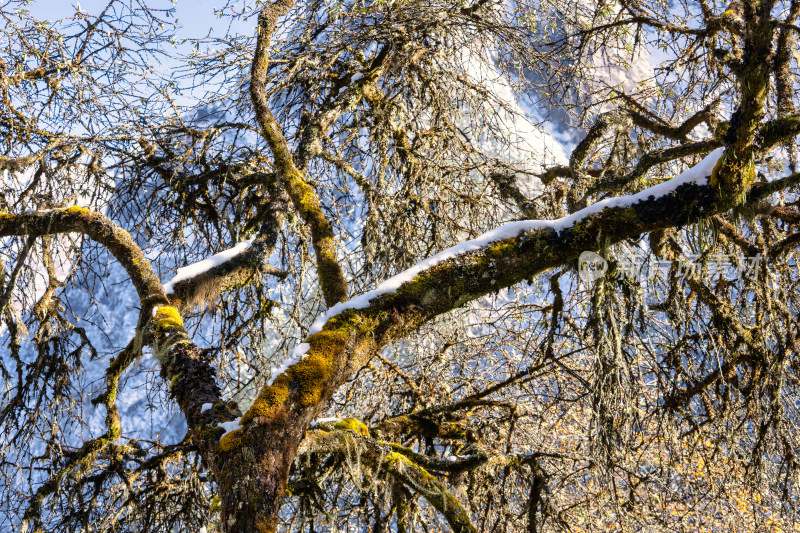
{"type": "Point", "coordinates": [195, 18]}
{"type": "Point", "coordinates": [193, 15]}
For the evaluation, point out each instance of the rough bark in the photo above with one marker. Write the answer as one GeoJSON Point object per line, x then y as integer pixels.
{"type": "Point", "coordinates": [251, 464]}
{"type": "Point", "coordinates": [192, 378]}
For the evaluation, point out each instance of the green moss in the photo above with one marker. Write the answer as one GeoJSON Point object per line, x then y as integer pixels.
{"type": "Point", "coordinates": [308, 200]}
{"type": "Point", "coordinates": [339, 328]}
{"type": "Point", "coordinates": [464, 298]}
{"type": "Point", "coordinates": [503, 248]}
{"type": "Point", "coordinates": [733, 177]}
{"type": "Point", "coordinates": [397, 460]}
{"type": "Point", "coordinates": [713, 181]}
{"type": "Point", "coordinates": [232, 441]}
{"type": "Point", "coordinates": [420, 284]}
{"type": "Point", "coordinates": [310, 375]}
{"type": "Point", "coordinates": [352, 424]}
{"type": "Point", "coordinates": [586, 230]}
{"type": "Point", "coordinates": [262, 527]}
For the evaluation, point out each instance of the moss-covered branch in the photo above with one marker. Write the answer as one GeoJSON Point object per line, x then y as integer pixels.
{"type": "Point", "coordinates": [275, 423]}
{"type": "Point", "coordinates": [736, 172]}
{"type": "Point", "coordinates": [778, 131]}
{"type": "Point", "coordinates": [304, 199]}
{"type": "Point", "coordinates": [351, 337]}
{"type": "Point", "coordinates": [100, 229]}
{"type": "Point", "coordinates": [192, 378]}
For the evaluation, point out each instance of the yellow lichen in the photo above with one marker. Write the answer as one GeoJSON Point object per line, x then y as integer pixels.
{"type": "Point", "coordinates": [167, 317]}
{"type": "Point", "coordinates": [268, 400]}
{"type": "Point", "coordinates": [713, 181]}
{"type": "Point", "coordinates": [310, 375]}
{"type": "Point", "coordinates": [328, 341]}
{"type": "Point", "coordinates": [167, 311]}
{"type": "Point", "coordinates": [352, 424]}
{"type": "Point", "coordinates": [215, 503]}
{"type": "Point", "coordinates": [232, 440]}
{"type": "Point", "coordinates": [77, 210]}
{"type": "Point", "coordinates": [394, 459]}
{"type": "Point", "coordinates": [502, 248]}
{"type": "Point", "coordinates": [261, 527]}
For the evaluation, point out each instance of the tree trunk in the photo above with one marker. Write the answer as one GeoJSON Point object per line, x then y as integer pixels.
{"type": "Point", "coordinates": [252, 468]}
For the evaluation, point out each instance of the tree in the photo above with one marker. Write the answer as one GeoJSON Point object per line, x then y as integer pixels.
{"type": "Point", "coordinates": [343, 143]}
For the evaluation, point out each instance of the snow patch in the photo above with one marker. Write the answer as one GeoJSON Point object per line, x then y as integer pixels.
{"type": "Point", "coordinates": [326, 420]}
{"type": "Point", "coordinates": [195, 269]}
{"type": "Point", "coordinates": [233, 425]}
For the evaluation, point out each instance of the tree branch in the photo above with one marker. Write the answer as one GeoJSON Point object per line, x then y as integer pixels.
{"type": "Point", "coordinates": [350, 333]}
{"type": "Point", "coordinates": [183, 364]}
{"type": "Point", "coordinates": [304, 199]}
{"type": "Point", "coordinates": [383, 456]}
{"type": "Point", "coordinates": [240, 269]}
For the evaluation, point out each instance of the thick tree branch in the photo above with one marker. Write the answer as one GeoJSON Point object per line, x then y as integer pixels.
{"type": "Point", "coordinates": [351, 333]}
{"type": "Point", "coordinates": [507, 185]}
{"type": "Point", "coordinates": [100, 229]}
{"type": "Point", "coordinates": [736, 170]}
{"type": "Point", "coordinates": [778, 131]}
{"type": "Point", "coordinates": [240, 269]}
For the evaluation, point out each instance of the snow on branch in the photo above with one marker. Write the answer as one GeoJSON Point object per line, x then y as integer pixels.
{"type": "Point", "coordinates": [200, 267]}
{"type": "Point", "coordinates": [697, 175]}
